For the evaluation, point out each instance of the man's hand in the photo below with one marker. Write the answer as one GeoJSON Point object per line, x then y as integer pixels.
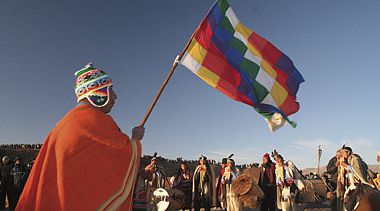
{"type": "Point", "coordinates": [138, 132]}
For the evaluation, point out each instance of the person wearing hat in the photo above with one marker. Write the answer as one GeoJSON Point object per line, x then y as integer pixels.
{"type": "Point", "coordinates": [86, 162]}
{"type": "Point", "coordinates": [356, 167]}
{"type": "Point", "coordinates": [19, 174]}
{"type": "Point", "coordinates": [156, 175]}
{"type": "Point", "coordinates": [332, 169]}
{"type": "Point", "coordinates": [222, 202]}
{"type": "Point", "coordinates": [285, 186]}
{"type": "Point", "coordinates": [229, 175]}
{"type": "Point", "coordinates": [6, 184]}
{"type": "Point", "coordinates": [204, 190]}
{"type": "Point", "coordinates": [154, 179]}
{"type": "Point", "coordinates": [151, 168]}
{"type": "Point", "coordinates": [183, 181]}
{"type": "Point", "coordinates": [267, 183]}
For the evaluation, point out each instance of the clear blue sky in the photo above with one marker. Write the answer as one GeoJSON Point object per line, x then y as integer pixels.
{"type": "Point", "coordinates": [334, 44]}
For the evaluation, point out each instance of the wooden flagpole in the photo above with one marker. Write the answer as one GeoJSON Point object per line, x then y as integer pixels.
{"type": "Point", "coordinates": [163, 85]}
{"type": "Point", "coordinates": [175, 64]}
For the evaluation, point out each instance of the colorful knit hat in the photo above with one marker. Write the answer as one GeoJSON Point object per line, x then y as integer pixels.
{"type": "Point", "coordinates": [92, 84]}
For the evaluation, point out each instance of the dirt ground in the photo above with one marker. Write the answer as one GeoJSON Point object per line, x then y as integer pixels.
{"type": "Point", "coordinates": [257, 209]}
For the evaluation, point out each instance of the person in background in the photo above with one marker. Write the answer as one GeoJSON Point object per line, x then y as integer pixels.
{"type": "Point", "coordinates": [19, 174]}
{"type": "Point", "coordinates": [204, 195]}
{"type": "Point", "coordinates": [183, 182]}
{"type": "Point", "coordinates": [29, 166]}
{"type": "Point", "coordinates": [357, 169]}
{"type": "Point", "coordinates": [376, 181]}
{"type": "Point", "coordinates": [286, 186]}
{"type": "Point", "coordinates": [7, 189]}
{"type": "Point", "coordinates": [229, 175]}
{"type": "Point", "coordinates": [153, 174]}
{"type": "Point", "coordinates": [154, 180]}
{"type": "Point", "coordinates": [267, 183]}
{"type": "Point", "coordinates": [341, 183]}
{"type": "Point", "coordinates": [332, 169]}
{"type": "Point", "coordinates": [222, 202]}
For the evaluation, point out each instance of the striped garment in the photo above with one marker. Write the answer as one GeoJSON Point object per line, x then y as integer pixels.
{"type": "Point", "coordinates": [244, 66]}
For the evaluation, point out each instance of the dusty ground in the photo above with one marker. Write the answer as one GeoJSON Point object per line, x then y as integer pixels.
{"type": "Point", "coordinates": [246, 209]}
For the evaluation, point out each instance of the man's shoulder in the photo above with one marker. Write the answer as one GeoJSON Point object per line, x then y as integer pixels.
{"type": "Point", "coordinates": [83, 111]}
{"type": "Point", "coordinates": [356, 157]}
{"type": "Point", "coordinates": [83, 115]}
{"type": "Point", "coordinates": [356, 160]}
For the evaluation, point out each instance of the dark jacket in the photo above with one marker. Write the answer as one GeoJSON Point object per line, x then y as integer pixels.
{"type": "Point", "coordinates": [6, 177]}
{"type": "Point", "coordinates": [332, 169]}
{"type": "Point", "coordinates": [19, 174]}
{"type": "Point", "coordinates": [267, 175]}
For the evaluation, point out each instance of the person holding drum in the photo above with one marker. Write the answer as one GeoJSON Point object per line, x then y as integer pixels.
{"type": "Point", "coordinates": [229, 175]}
{"type": "Point", "coordinates": [155, 179]}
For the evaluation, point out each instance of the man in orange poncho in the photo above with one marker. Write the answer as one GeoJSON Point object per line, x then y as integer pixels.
{"type": "Point", "coordinates": [86, 162]}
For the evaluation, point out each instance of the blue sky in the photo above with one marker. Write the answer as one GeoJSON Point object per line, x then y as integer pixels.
{"type": "Point", "coordinates": [334, 44]}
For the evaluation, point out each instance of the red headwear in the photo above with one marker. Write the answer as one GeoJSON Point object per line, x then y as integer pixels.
{"type": "Point", "coordinates": [266, 155]}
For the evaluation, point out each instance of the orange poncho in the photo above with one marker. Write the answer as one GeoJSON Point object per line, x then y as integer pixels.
{"type": "Point", "coordinates": [86, 163]}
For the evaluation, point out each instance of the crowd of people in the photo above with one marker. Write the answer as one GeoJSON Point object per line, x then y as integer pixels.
{"type": "Point", "coordinates": [20, 146]}
{"type": "Point", "coordinates": [278, 180]}
{"type": "Point", "coordinates": [14, 174]}
{"type": "Point", "coordinates": [204, 188]}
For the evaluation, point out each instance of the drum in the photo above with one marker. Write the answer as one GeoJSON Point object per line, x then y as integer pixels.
{"type": "Point", "coordinates": [314, 189]}
{"type": "Point", "coordinates": [317, 186]}
{"type": "Point", "coordinates": [176, 199]}
{"type": "Point", "coordinates": [248, 191]}
{"type": "Point", "coordinates": [161, 199]}
{"type": "Point", "coordinates": [168, 199]}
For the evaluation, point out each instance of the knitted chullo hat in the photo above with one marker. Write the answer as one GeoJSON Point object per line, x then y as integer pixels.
{"type": "Point", "coordinates": [93, 84]}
